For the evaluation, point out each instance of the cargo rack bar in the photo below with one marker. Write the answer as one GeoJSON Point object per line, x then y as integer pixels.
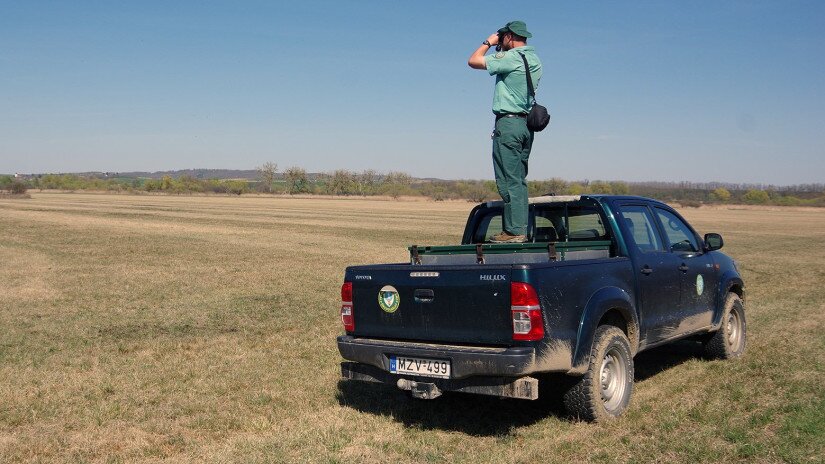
{"type": "Point", "coordinates": [487, 253]}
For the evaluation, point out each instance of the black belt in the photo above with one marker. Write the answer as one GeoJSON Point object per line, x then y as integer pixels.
{"type": "Point", "coordinates": [511, 115]}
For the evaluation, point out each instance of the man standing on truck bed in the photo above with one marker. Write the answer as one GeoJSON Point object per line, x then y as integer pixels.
{"type": "Point", "coordinates": [512, 139]}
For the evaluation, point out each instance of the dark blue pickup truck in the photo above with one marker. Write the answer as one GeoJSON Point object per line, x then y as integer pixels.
{"type": "Point", "coordinates": [600, 279]}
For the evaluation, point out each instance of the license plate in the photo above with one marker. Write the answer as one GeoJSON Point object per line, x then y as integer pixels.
{"type": "Point", "coordinates": [420, 366]}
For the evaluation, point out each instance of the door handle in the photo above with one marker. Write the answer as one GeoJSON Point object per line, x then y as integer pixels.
{"type": "Point", "coordinates": [424, 295]}
{"type": "Point", "coordinates": [647, 270]}
{"type": "Point", "coordinates": [683, 267]}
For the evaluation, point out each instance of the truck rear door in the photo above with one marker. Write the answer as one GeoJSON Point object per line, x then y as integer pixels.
{"type": "Point", "coordinates": [443, 304]}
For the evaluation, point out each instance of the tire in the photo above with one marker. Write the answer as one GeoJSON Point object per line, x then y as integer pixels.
{"type": "Point", "coordinates": [729, 341]}
{"type": "Point", "coordinates": [605, 389]}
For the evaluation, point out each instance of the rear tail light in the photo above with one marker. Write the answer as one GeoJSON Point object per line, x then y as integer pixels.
{"type": "Point", "coordinates": [347, 317]}
{"type": "Point", "coordinates": [524, 305]}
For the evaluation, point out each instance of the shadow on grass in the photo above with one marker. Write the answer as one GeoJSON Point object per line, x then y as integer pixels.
{"type": "Point", "coordinates": [477, 415]}
{"type": "Point", "coordinates": [481, 415]}
{"type": "Point", "coordinates": [651, 362]}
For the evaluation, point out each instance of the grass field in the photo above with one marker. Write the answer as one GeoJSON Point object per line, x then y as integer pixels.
{"type": "Point", "coordinates": [162, 328]}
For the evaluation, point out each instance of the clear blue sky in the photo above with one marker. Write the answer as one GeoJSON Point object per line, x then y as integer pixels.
{"type": "Point", "coordinates": [699, 91]}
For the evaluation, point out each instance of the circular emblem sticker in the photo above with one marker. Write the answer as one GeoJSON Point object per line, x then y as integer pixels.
{"type": "Point", "coordinates": [499, 55]}
{"type": "Point", "coordinates": [388, 299]}
{"type": "Point", "coordinates": [700, 284]}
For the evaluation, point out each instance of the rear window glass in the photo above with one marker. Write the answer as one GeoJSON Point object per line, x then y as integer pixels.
{"type": "Point", "coordinates": [585, 224]}
{"type": "Point", "coordinates": [547, 229]}
{"type": "Point", "coordinates": [549, 224]}
{"type": "Point", "coordinates": [490, 225]}
{"type": "Point", "coordinates": [581, 223]}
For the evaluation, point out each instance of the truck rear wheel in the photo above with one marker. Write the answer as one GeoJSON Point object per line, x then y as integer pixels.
{"type": "Point", "coordinates": [605, 389]}
{"type": "Point", "coordinates": [729, 341]}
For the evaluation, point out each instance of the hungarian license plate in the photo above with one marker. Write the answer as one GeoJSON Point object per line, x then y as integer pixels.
{"type": "Point", "coordinates": [420, 366]}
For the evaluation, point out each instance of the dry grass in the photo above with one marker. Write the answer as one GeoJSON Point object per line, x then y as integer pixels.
{"type": "Point", "coordinates": [148, 328]}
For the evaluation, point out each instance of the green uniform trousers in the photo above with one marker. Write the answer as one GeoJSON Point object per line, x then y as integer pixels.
{"type": "Point", "coordinates": [512, 142]}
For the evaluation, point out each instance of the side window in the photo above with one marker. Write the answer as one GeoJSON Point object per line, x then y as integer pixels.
{"type": "Point", "coordinates": [640, 223]}
{"type": "Point", "coordinates": [489, 225]}
{"type": "Point", "coordinates": [585, 224]}
{"type": "Point", "coordinates": [549, 225]}
{"type": "Point", "coordinates": [678, 233]}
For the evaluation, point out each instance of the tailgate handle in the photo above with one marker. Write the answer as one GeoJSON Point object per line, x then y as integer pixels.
{"type": "Point", "coordinates": [424, 295]}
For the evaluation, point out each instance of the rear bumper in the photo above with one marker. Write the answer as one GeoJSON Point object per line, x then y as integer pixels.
{"type": "Point", "coordinates": [526, 388]}
{"type": "Point", "coordinates": [465, 361]}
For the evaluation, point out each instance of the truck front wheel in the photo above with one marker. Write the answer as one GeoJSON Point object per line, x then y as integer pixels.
{"type": "Point", "coordinates": [604, 390]}
{"type": "Point", "coordinates": [729, 341]}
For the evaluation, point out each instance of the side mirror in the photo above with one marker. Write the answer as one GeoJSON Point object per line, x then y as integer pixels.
{"type": "Point", "coordinates": [713, 242]}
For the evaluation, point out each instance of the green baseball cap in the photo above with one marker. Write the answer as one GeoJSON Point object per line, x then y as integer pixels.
{"type": "Point", "coordinates": [517, 28]}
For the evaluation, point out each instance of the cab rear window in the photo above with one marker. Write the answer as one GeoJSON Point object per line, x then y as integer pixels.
{"type": "Point", "coordinates": [550, 223]}
{"type": "Point", "coordinates": [586, 224]}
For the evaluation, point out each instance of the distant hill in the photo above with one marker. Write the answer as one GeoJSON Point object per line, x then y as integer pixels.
{"type": "Point", "coordinates": [249, 174]}
{"type": "Point", "coordinates": [196, 173]}
{"type": "Point", "coordinates": [246, 174]}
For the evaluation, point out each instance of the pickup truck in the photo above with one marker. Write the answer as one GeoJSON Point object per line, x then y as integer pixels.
{"type": "Point", "coordinates": [600, 279]}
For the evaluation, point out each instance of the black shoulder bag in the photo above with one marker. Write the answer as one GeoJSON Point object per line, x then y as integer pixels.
{"type": "Point", "coordinates": [538, 118]}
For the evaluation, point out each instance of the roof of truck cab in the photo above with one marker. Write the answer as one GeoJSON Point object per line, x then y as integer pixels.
{"type": "Point", "coordinates": [546, 199]}
{"type": "Point", "coordinates": [541, 200]}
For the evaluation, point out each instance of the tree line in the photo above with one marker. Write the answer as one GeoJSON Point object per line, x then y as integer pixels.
{"type": "Point", "coordinates": [166, 184]}
{"type": "Point", "coordinates": [342, 182]}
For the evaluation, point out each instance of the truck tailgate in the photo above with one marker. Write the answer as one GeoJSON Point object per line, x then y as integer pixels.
{"type": "Point", "coordinates": [442, 304]}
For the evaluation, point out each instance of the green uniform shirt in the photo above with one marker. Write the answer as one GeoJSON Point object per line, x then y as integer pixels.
{"type": "Point", "coordinates": [510, 94]}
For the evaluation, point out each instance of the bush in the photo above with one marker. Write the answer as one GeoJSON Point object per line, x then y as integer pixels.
{"type": "Point", "coordinates": [721, 194]}
{"type": "Point", "coordinates": [619, 188]}
{"type": "Point", "coordinates": [18, 188]}
{"type": "Point", "coordinates": [396, 190]}
{"type": "Point", "coordinates": [342, 182]}
{"type": "Point", "coordinates": [575, 189]}
{"type": "Point", "coordinates": [237, 187]}
{"type": "Point", "coordinates": [366, 182]}
{"type": "Point", "coordinates": [788, 201]}
{"type": "Point", "coordinates": [151, 185]}
{"type": "Point", "coordinates": [296, 180]}
{"type": "Point", "coordinates": [266, 173]}
{"type": "Point", "coordinates": [478, 192]}
{"type": "Point", "coordinates": [536, 188]}
{"type": "Point", "coordinates": [690, 203]}
{"type": "Point", "coordinates": [396, 184]}
{"type": "Point", "coordinates": [598, 186]}
{"type": "Point", "coordinates": [756, 197]}
{"type": "Point", "coordinates": [436, 191]}
{"type": "Point", "coordinates": [216, 186]}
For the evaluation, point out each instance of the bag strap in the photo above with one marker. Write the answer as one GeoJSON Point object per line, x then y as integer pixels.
{"type": "Point", "coordinates": [530, 92]}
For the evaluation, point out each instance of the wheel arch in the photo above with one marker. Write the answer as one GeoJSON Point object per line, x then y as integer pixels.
{"type": "Point", "coordinates": [730, 282]}
{"type": "Point", "coordinates": [607, 306]}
